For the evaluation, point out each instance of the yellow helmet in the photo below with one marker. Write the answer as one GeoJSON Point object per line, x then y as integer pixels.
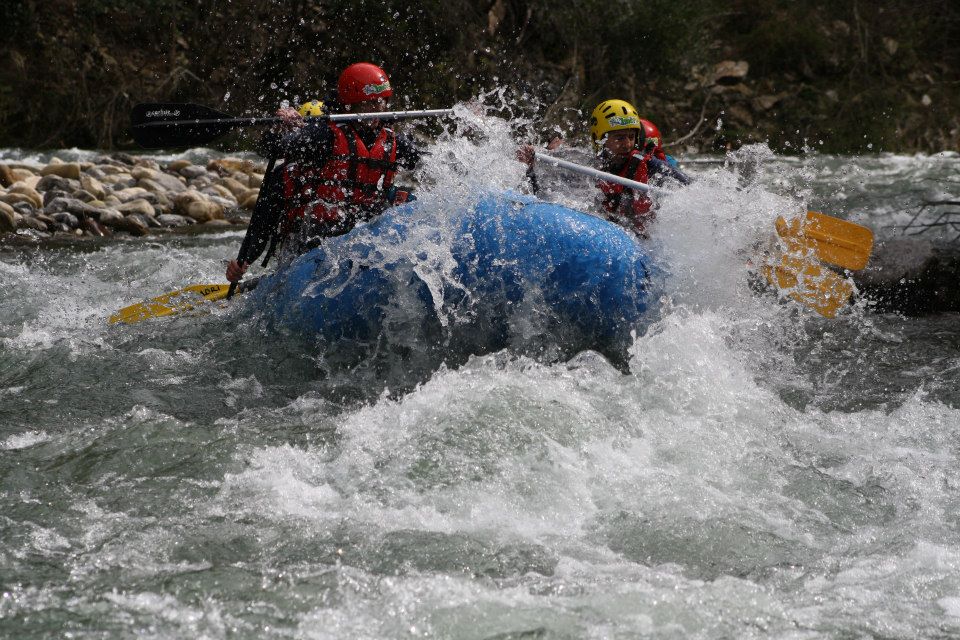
{"type": "Point", "coordinates": [312, 108]}
{"type": "Point", "coordinates": [613, 115]}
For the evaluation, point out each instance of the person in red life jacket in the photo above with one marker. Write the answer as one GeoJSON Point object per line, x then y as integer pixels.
{"type": "Point", "coordinates": [616, 130]}
{"type": "Point", "coordinates": [334, 175]}
{"type": "Point", "coordinates": [618, 134]}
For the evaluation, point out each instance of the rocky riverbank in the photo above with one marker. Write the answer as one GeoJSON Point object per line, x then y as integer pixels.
{"type": "Point", "coordinates": [123, 194]}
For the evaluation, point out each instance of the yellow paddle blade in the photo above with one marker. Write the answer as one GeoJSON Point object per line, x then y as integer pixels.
{"type": "Point", "coordinates": [171, 303]}
{"type": "Point", "coordinates": [810, 284]}
{"type": "Point", "coordinates": [838, 242]}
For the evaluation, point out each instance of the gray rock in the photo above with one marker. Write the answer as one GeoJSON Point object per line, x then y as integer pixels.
{"type": "Point", "coordinates": [140, 205]}
{"type": "Point", "coordinates": [47, 220]}
{"type": "Point", "coordinates": [201, 183]}
{"type": "Point", "coordinates": [150, 185]}
{"type": "Point", "coordinates": [136, 193]}
{"type": "Point", "coordinates": [66, 218]}
{"type": "Point", "coordinates": [152, 222]}
{"type": "Point", "coordinates": [131, 224]}
{"type": "Point", "coordinates": [53, 194]}
{"type": "Point", "coordinates": [169, 182]}
{"type": "Point", "coordinates": [32, 222]}
{"type": "Point", "coordinates": [111, 217]}
{"type": "Point", "coordinates": [236, 215]}
{"type": "Point", "coordinates": [223, 202]}
{"type": "Point", "coordinates": [83, 195]}
{"type": "Point", "coordinates": [33, 235]}
{"type": "Point", "coordinates": [71, 205]}
{"type": "Point", "coordinates": [148, 163]}
{"type": "Point", "coordinates": [173, 220]}
{"type": "Point", "coordinates": [163, 202]}
{"type": "Point", "coordinates": [94, 228]}
{"type": "Point", "coordinates": [52, 181]}
{"type": "Point", "coordinates": [146, 219]}
{"type": "Point", "coordinates": [24, 208]}
{"type": "Point", "coordinates": [122, 183]}
{"type": "Point", "coordinates": [193, 171]}
{"type": "Point", "coordinates": [122, 159]}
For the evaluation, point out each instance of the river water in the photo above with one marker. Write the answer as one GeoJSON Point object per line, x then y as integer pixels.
{"type": "Point", "coordinates": [753, 471]}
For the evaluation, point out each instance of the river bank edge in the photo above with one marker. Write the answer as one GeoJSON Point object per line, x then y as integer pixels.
{"type": "Point", "coordinates": [122, 195]}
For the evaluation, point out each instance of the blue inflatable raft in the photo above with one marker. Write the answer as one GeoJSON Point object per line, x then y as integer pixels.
{"type": "Point", "coordinates": [505, 271]}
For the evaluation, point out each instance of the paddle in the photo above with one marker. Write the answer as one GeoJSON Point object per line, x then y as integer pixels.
{"type": "Point", "coordinates": [835, 241]}
{"type": "Point", "coordinates": [175, 124]}
{"type": "Point", "coordinates": [808, 283]}
{"type": "Point", "coordinates": [171, 303]}
{"type": "Point", "coordinates": [818, 236]}
{"type": "Point", "coordinates": [594, 173]}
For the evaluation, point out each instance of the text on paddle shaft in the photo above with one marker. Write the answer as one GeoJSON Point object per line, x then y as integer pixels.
{"type": "Point", "coordinates": [162, 113]}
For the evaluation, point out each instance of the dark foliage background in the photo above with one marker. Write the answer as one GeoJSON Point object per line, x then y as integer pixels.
{"type": "Point", "coordinates": [843, 76]}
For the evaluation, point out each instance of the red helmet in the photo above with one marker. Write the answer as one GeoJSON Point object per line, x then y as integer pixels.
{"type": "Point", "coordinates": [363, 81]}
{"type": "Point", "coordinates": [650, 130]}
{"type": "Point", "coordinates": [652, 139]}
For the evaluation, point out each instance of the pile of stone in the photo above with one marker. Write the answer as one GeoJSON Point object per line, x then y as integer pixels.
{"type": "Point", "coordinates": [124, 194]}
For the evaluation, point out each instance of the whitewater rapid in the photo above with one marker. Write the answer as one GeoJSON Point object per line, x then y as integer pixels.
{"type": "Point", "coordinates": [754, 471]}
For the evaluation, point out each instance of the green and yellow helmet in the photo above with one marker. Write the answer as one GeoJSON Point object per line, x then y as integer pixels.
{"type": "Point", "coordinates": [613, 115]}
{"type": "Point", "coordinates": [311, 108]}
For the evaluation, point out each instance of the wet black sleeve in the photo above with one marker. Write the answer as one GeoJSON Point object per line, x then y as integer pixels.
{"type": "Point", "coordinates": [265, 218]}
{"type": "Point", "coordinates": [660, 171]}
{"type": "Point", "coordinates": [269, 144]}
{"type": "Point", "coordinates": [311, 143]}
{"type": "Point", "coordinates": [408, 152]}
{"type": "Point", "coordinates": [532, 179]}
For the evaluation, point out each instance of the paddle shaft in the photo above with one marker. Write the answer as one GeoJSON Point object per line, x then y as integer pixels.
{"type": "Point", "coordinates": [595, 173]}
{"type": "Point", "coordinates": [336, 117]}
{"type": "Point", "coordinates": [245, 245]}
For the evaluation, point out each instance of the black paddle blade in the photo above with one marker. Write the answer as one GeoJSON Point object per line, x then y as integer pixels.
{"type": "Point", "coordinates": [158, 125]}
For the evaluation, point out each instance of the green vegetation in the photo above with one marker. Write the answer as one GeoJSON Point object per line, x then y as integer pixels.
{"type": "Point", "coordinates": [858, 75]}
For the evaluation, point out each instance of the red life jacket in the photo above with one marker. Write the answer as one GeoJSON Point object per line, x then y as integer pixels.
{"type": "Point", "coordinates": [353, 181]}
{"type": "Point", "coordinates": [633, 169]}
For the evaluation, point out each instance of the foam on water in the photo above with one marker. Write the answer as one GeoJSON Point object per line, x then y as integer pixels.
{"type": "Point", "coordinates": [685, 473]}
